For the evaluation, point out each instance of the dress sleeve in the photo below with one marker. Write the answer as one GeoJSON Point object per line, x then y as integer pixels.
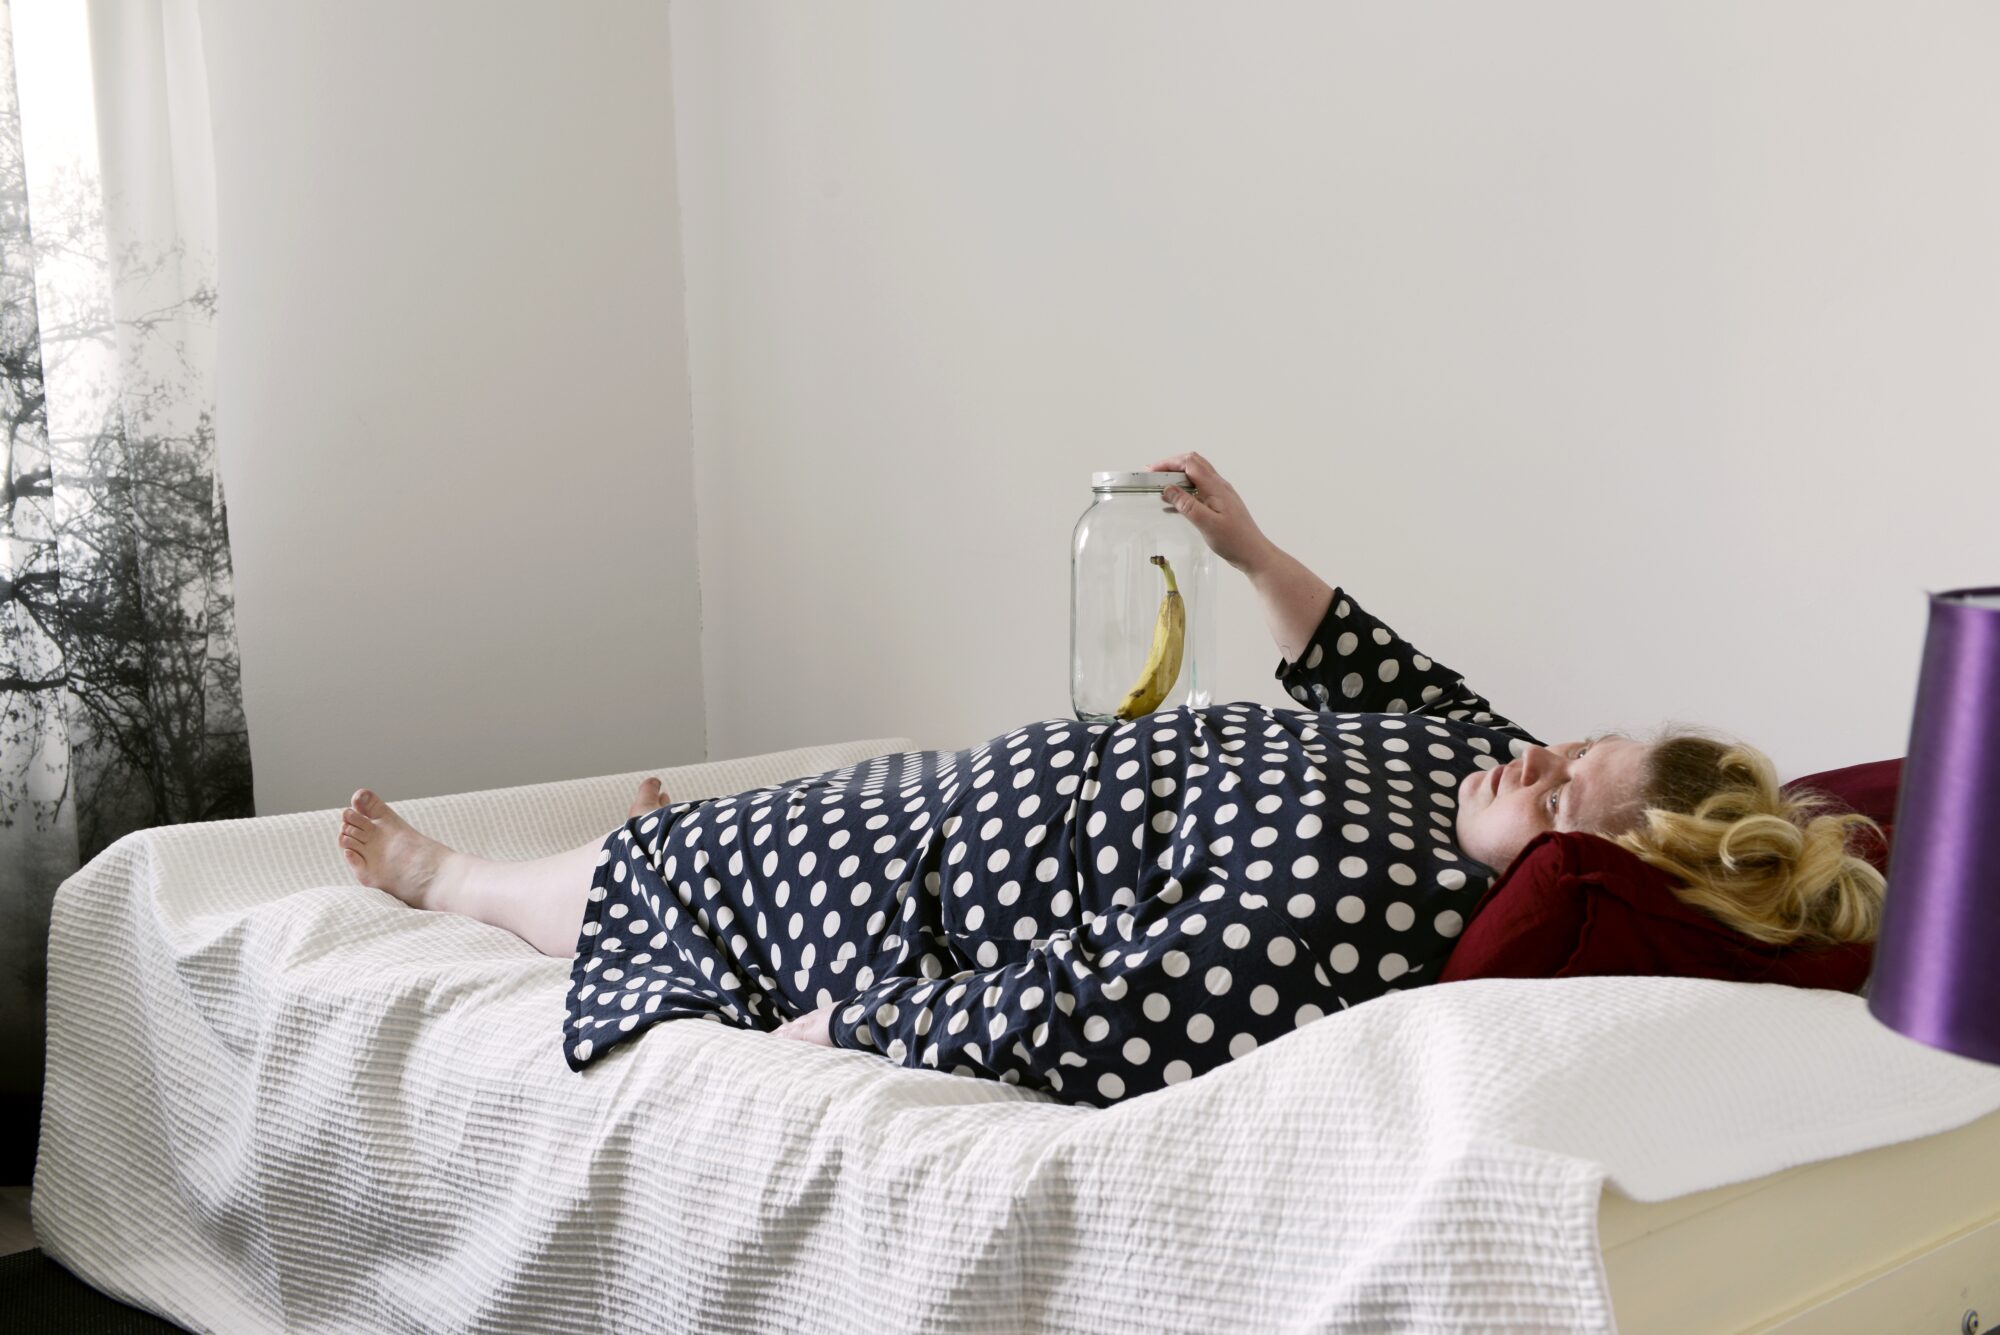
{"type": "Point", "coordinates": [1356, 662]}
{"type": "Point", "coordinates": [1120, 1006]}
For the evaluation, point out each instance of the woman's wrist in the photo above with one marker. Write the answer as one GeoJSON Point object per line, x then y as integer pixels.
{"type": "Point", "coordinates": [1276, 569]}
{"type": "Point", "coordinates": [1263, 561]}
{"type": "Point", "coordinates": [1295, 601]}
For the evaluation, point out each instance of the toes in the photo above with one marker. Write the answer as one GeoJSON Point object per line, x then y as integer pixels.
{"type": "Point", "coordinates": [367, 803]}
{"type": "Point", "coordinates": [649, 798]}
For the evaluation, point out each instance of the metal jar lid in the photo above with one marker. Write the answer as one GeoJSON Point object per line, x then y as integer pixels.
{"type": "Point", "coordinates": [1138, 481]}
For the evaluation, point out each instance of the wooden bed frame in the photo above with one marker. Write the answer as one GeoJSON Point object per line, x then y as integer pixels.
{"type": "Point", "coordinates": [1901, 1238]}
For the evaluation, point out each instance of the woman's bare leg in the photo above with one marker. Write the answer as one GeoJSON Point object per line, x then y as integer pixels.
{"type": "Point", "coordinates": [540, 900]}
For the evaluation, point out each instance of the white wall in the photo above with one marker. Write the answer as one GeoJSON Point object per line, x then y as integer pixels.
{"type": "Point", "coordinates": [453, 420]}
{"type": "Point", "coordinates": [1636, 361]}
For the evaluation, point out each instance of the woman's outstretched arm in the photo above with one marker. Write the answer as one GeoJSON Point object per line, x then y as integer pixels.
{"type": "Point", "coordinates": [1295, 600]}
{"type": "Point", "coordinates": [1334, 654]}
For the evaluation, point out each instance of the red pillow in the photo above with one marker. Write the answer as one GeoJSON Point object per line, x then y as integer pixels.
{"type": "Point", "coordinates": [1576, 905]}
{"type": "Point", "coordinates": [1870, 789]}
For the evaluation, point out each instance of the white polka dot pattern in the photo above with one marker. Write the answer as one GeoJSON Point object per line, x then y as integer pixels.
{"type": "Point", "coordinates": [1091, 910]}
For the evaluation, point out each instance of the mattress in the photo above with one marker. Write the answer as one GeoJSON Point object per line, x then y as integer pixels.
{"type": "Point", "coordinates": [1899, 1237]}
{"type": "Point", "coordinates": [277, 1100]}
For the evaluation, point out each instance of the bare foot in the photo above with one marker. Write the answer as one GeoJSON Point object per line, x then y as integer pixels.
{"type": "Point", "coordinates": [650, 799]}
{"type": "Point", "coordinates": [386, 853]}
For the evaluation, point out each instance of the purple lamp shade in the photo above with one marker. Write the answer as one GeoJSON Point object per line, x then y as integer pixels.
{"type": "Point", "coordinates": [1937, 960]}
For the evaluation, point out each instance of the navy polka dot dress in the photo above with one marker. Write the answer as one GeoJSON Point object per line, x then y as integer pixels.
{"type": "Point", "coordinates": [1091, 910]}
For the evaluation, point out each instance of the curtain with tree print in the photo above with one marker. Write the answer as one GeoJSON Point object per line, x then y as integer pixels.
{"type": "Point", "coordinates": [120, 706]}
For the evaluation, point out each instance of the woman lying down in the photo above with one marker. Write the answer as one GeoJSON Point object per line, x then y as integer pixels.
{"type": "Point", "coordinates": [1099, 910]}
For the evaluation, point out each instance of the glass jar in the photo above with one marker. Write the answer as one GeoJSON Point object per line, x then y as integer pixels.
{"type": "Point", "coordinates": [1132, 650]}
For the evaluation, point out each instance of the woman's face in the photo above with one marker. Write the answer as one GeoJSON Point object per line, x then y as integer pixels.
{"type": "Point", "coordinates": [1592, 785]}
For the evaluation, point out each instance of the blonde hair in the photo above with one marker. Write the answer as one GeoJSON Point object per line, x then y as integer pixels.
{"type": "Point", "coordinates": [1776, 866]}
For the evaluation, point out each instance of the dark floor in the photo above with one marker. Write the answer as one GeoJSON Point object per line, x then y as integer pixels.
{"type": "Point", "coordinates": [16, 1234]}
{"type": "Point", "coordinates": [38, 1294]}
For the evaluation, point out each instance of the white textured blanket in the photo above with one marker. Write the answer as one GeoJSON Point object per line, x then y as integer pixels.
{"type": "Point", "coordinates": [279, 1101]}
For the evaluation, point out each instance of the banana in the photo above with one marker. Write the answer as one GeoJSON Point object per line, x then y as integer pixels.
{"type": "Point", "coordinates": [1163, 661]}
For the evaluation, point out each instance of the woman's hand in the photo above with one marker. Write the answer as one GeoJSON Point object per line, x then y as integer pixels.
{"type": "Point", "coordinates": [1218, 513]}
{"type": "Point", "coordinates": [812, 1027]}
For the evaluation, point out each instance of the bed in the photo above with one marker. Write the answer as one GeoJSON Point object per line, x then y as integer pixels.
{"type": "Point", "coordinates": [279, 1101]}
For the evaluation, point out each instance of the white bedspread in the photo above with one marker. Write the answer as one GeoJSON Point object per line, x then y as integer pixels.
{"type": "Point", "coordinates": [279, 1101]}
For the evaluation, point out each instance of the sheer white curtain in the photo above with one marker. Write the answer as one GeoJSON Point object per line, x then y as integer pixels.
{"type": "Point", "coordinates": [119, 699]}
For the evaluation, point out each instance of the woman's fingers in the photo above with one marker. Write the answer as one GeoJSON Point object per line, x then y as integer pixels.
{"type": "Point", "coordinates": [1196, 510]}
{"type": "Point", "coordinates": [1214, 508]}
{"type": "Point", "coordinates": [1199, 471]}
{"type": "Point", "coordinates": [1203, 475]}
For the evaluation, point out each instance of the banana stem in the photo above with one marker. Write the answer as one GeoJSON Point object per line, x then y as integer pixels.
{"type": "Point", "coordinates": [1168, 571]}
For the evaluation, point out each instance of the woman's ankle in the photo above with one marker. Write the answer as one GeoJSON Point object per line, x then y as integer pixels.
{"type": "Point", "coordinates": [453, 887]}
